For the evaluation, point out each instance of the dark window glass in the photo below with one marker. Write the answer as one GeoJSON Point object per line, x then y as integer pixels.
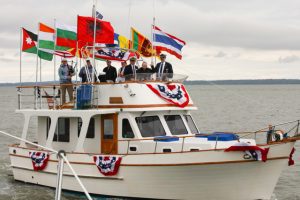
{"type": "Point", "coordinates": [191, 124]}
{"type": "Point", "coordinates": [62, 131]}
{"type": "Point", "coordinates": [91, 128]}
{"type": "Point", "coordinates": [176, 124]}
{"type": "Point", "coordinates": [108, 127]}
{"type": "Point", "coordinates": [126, 129]}
{"type": "Point", "coordinates": [150, 126]}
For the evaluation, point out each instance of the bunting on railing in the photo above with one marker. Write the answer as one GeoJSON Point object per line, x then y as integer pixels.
{"type": "Point", "coordinates": [108, 165]}
{"type": "Point", "coordinates": [39, 160]}
{"type": "Point", "coordinates": [173, 93]}
{"type": "Point", "coordinates": [251, 151]}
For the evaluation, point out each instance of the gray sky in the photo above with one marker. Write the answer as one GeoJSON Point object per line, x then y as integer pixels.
{"type": "Point", "coordinates": [232, 39]}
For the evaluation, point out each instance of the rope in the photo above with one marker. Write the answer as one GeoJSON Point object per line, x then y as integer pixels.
{"type": "Point", "coordinates": [56, 152]}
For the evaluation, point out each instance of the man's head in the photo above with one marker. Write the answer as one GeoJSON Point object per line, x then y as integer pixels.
{"type": "Point", "coordinates": [162, 57]}
{"type": "Point", "coordinates": [64, 61]}
{"type": "Point", "coordinates": [132, 60]}
{"type": "Point", "coordinates": [123, 64]}
{"type": "Point", "coordinates": [144, 65]}
{"type": "Point", "coordinates": [88, 62]}
{"type": "Point", "coordinates": [108, 62]}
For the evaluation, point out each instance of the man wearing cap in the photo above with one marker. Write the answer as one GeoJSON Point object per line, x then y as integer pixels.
{"type": "Point", "coordinates": [163, 69]}
{"type": "Point", "coordinates": [130, 70]}
{"type": "Point", "coordinates": [65, 73]}
{"type": "Point", "coordinates": [86, 73]}
{"type": "Point", "coordinates": [110, 72]}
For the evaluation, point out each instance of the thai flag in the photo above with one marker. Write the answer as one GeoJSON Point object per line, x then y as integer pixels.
{"type": "Point", "coordinates": [163, 41]}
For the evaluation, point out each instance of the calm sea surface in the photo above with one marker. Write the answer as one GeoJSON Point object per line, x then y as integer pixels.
{"type": "Point", "coordinates": [221, 108]}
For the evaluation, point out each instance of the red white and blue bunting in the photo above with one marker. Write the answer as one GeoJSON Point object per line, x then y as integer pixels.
{"type": "Point", "coordinates": [173, 93]}
{"type": "Point", "coordinates": [39, 160]}
{"type": "Point", "coordinates": [291, 160]}
{"type": "Point", "coordinates": [251, 151]}
{"type": "Point", "coordinates": [108, 165]}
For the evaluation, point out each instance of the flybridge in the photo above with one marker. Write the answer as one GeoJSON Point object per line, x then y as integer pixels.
{"type": "Point", "coordinates": [162, 92]}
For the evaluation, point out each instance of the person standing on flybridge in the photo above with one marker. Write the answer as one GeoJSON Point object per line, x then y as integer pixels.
{"type": "Point", "coordinates": [65, 73]}
{"type": "Point", "coordinates": [163, 69]}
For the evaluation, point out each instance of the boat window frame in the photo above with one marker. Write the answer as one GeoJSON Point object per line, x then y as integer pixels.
{"type": "Point", "coordinates": [160, 121]}
{"type": "Point", "coordinates": [130, 128]}
{"type": "Point", "coordinates": [187, 123]}
{"type": "Point", "coordinates": [57, 137]}
{"type": "Point", "coordinates": [182, 120]}
{"type": "Point", "coordinates": [90, 131]}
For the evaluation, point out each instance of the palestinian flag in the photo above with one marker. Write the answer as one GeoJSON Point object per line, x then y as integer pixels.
{"type": "Point", "coordinates": [141, 44]}
{"type": "Point", "coordinates": [45, 42]}
{"type": "Point", "coordinates": [66, 40]}
{"type": "Point", "coordinates": [29, 41]}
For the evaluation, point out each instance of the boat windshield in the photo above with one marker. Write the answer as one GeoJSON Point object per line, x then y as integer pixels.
{"type": "Point", "coordinates": [191, 124]}
{"type": "Point", "coordinates": [155, 77]}
{"type": "Point", "coordinates": [150, 126]}
{"type": "Point", "coordinates": [175, 124]}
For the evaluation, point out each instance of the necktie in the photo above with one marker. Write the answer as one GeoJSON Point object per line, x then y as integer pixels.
{"type": "Point", "coordinates": [133, 70]}
{"type": "Point", "coordinates": [161, 69]}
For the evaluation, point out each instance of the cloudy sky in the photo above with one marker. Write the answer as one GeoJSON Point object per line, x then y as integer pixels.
{"type": "Point", "coordinates": [232, 39]}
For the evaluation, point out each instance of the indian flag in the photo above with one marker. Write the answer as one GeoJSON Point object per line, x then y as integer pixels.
{"type": "Point", "coordinates": [66, 38]}
{"type": "Point", "coordinates": [45, 42]}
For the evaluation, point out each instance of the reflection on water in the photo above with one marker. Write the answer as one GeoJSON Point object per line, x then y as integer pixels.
{"type": "Point", "coordinates": [221, 108]}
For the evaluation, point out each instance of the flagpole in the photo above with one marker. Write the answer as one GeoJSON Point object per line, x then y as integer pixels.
{"type": "Point", "coordinates": [54, 56]}
{"type": "Point", "coordinates": [21, 41]}
{"type": "Point", "coordinates": [152, 38]}
{"type": "Point", "coordinates": [76, 71]}
{"type": "Point", "coordinates": [37, 68]}
{"type": "Point", "coordinates": [40, 82]}
{"type": "Point", "coordinates": [94, 62]}
{"type": "Point", "coordinates": [40, 70]}
{"type": "Point", "coordinates": [153, 35]}
{"type": "Point", "coordinates": [20, 89]}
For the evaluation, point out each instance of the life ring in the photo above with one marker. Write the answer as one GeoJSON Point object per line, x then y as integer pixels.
{"type": "Point", "coordinates": [278, 135]}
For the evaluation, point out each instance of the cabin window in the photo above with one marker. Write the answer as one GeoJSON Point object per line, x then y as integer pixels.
{"type": "Point", "coordinates": [150, 126]}
{"type": "Point", "coordinates": [176, 124]}
{"type": "Point", "coordinates": [126, 129]}
{"type": "Point", "coordinates": [91, 129]}
{"type": "Point", "coordinates": [191, 124]}
{"type": "Point", "coordinates": [62, 131]}
{"type": "Point", "coordinates": [108, 128]}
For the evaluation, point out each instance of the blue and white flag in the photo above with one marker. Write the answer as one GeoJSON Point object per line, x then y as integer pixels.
{"type": "Point", "coordinates": [163, 41]}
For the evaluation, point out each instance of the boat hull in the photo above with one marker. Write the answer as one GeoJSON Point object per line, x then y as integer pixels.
{"type": "Point", "coordinates": [210, 179]}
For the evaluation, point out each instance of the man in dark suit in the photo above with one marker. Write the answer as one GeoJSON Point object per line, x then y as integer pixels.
{"type": "Point", "coordinates": [163, 69]}
{"type": "Point", "coordinates": [110, 72]}
{"type": "Point", "coordinates": [130, 70]}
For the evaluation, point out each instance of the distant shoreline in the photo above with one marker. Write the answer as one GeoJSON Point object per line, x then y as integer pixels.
{"type": "Point", "coordinates": [201, 82]}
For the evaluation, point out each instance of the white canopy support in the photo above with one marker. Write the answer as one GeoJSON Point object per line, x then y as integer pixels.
{"type": "Point", "coordinates": [83, 132]}
{"type": "Point", "coordinates": [25, 130]}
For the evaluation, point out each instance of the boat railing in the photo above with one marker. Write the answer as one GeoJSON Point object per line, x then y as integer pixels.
{"type": "Point", "coordinates": [288, 131]}
{"type": "Point", "coordinates": [42, 96]}
{"type": "Point", "coordinates": [274, 133]}
{"type": "Point", "coordinates": [49, 96]}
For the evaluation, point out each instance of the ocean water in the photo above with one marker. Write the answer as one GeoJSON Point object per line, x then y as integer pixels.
{"type": "Point", "coordinates": [220, 108]}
